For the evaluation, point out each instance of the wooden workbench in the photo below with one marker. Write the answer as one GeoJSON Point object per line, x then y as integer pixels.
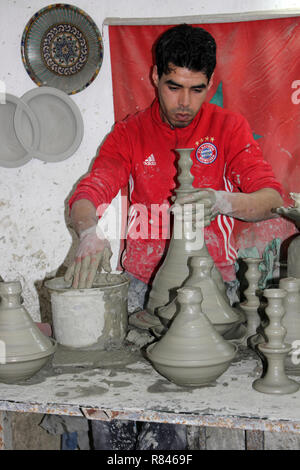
{"type": "Point", "coordinates": [121, 384]}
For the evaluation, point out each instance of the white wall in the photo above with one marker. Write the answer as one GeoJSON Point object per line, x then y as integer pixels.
{"type": "Point", "coordinates": [34, 239]}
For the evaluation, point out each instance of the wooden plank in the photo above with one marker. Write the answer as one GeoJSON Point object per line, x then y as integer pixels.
{"type": "Point", "coordinates": [205, 19]}
{"type": "Point", "coordinates": [281, 441]}
{"type": "Point", "coordinates": [2, 430]}
{"type": "Point", "coordinates": [5, 431]}
{"type": "Point", "coordinates": [137, 392]}
{"type": "Point", "coordinates": [196, 437]}
{"type": "Point", "coordinates": [28, 435]}
{"type": "Point", "coordinates": [254, 440]}
{"type": "Point", "coordinates": [225, 439]}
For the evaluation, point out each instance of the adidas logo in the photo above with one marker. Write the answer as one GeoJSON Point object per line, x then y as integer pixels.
{"type": "Point", "coordinates": [150, 161]}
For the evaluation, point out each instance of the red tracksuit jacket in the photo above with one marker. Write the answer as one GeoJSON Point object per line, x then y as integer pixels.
{"type": "Point", "coordinates": [140, 150]}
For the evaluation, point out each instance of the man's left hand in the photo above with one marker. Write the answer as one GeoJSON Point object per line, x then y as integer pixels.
{"type": "Point", "coordinates": [206, 197]}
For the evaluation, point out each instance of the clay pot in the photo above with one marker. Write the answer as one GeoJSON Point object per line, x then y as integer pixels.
{"type": "Point", "coordinates": [192, 352]}
{"type": "Point", "coordinates": [90, 317]}
{"type": "Point", "coordinates": [23, 347]}
{"type": "Point", "coordinates": [293, 261]}
{"type": "Point", "coordinates": [293, 258]}
{"type": "Point", "coordinates": [215, 304]}
{"type": "Point", "coordinates": [174, 269]}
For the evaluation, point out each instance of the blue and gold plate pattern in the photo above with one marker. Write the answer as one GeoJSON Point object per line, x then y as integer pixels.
{"type": "Point", "coordinates": [62, 48]}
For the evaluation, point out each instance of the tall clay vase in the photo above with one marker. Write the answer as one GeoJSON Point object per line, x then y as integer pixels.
{"type": "Point", "coordinates": [275, 380]}
{"type": "Point", "coordinates": [293, 262]}
{"type": "Point", "coordinates": [183, 244]}
{"type": "Point", "coordinates": [252, 303]}
{"type": "Point", "coordinates": [293, 258]}
{"type": "Point", "coordinates": [23, 347]}
{"type": "Point", "coordinates": [192, 352]}
{"type": "Point", "coordinates": [291, 320]}
{"type": "Point", "coordinates": [215, 304]}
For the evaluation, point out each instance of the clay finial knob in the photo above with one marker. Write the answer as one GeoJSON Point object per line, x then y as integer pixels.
{"type": "Point", "coordinates": [10, 294]}
{"type": "Point", "coordinates": [10, 288]}
{"type": "Point", "coordinates": [201, 261]}
{"type": "Point", "coordinates": [189, 295]}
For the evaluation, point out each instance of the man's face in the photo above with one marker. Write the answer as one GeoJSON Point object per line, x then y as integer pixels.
{"type": "Point", "coordinates": [181, 94]}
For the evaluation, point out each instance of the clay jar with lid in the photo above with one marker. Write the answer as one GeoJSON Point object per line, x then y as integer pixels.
{"type": "Point", "coordinates": [291, 319]}
{"type": "Point", "coordinates": [24, 349]}
{"type": "Point", "coordinates": [215, 303]}
{"type": "Point", "coordinates": [192, 352]}
{"type": "Point", "coordinates": [294, 257]}
{"type": "Point", "coordinates": [291, 305]}
{"type": "Point", "coordinates": [185, 242]}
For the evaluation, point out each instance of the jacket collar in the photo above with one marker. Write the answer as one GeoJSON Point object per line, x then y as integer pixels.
{"type": "Point", "coordinates": [182, 131]}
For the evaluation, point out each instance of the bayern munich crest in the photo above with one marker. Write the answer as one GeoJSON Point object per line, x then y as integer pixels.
{"type": "Point", "coordinates": [206, 153]}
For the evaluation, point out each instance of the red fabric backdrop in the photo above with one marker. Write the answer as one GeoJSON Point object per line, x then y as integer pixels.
{"type": "Point", "coordinates": [257, 74]}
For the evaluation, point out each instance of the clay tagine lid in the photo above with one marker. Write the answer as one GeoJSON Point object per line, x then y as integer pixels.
{"type": "Point", "coordinates": [191, 338]}
{"type": "Point", "coordinates": [18, 332]}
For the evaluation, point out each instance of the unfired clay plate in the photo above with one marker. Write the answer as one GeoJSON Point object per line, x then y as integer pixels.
{"type": "Point", "coordinates": [17, 143]}
{"type": "Point", "coordinates": [60, 123]}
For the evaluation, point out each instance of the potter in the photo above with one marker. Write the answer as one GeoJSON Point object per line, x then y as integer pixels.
{"type": "Point", "coordinates": [231, 178]}
{"type": "Point", "coordinates": [179, 117]}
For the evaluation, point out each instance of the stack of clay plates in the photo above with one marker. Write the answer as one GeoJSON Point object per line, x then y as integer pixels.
{"type": "Point", "coordinates": [44, 123]}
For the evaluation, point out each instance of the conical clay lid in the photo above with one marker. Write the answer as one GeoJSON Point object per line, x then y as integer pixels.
{"type": "Point", "coordinates": [191, 338]}
{"type": "Point", "coordinates": [18, 333]}
{"type": "Point", "coordinates": [215, 304]}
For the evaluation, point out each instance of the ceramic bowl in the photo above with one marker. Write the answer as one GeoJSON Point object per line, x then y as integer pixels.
{"type": "Point", "coordinates": [190, 373]}
{"type": "Point", "coordinates": [14, 370]}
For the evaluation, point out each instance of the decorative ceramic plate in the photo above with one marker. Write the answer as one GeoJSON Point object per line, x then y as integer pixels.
{"type": "Point", "coordinates": [17, 145]}
{"type": "Point", "coordinates": [62, 48]}
{"type": "Point", "coordinates": [60, 123]}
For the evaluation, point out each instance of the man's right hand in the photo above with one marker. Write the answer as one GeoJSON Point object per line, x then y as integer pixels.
{"type": "Point", "coordinates": [94, 252]}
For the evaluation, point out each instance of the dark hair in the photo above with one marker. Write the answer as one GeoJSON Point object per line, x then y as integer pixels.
{"type": "Point", "coordinates": [186, 46]}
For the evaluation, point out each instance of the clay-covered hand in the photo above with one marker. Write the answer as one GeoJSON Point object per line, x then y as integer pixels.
{"type": "Point", "coordinates": [198, 207]}
{"type": "Point", "coordinates": [292, 213]}
{"type": "Point", "coordinates": [296, 198]}
{"type": "Point", "coordinates": [94, 252]}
